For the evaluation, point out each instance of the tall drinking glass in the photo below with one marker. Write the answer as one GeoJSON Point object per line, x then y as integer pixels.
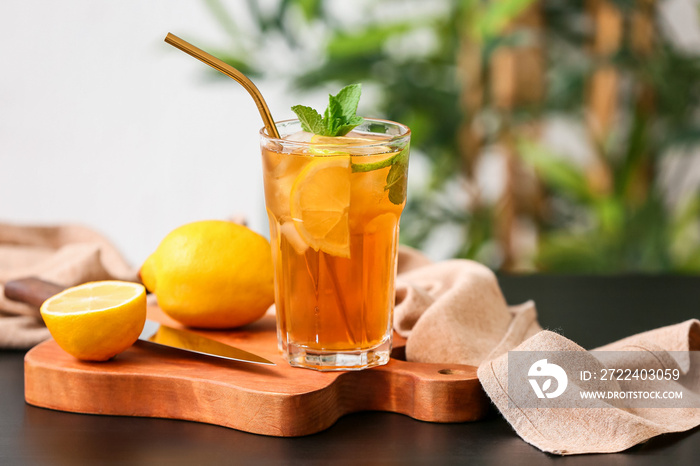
{"type": "Point", "coordinates": [334, 206]}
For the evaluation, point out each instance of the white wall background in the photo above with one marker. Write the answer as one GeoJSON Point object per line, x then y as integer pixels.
{"type": "Point", "coordinates": [104, 124]}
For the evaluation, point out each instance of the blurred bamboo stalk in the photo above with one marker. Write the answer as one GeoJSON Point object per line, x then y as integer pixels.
{"type": "Point", "coordinates": [514, 77]}
{"type": "Point", "coordinates": [517, 80]}
{"type": "Point", "coordinates": [471, 100]}
{"type": "Point", "coordinates": [470, 137]}
{"type": "Point", "coordinates": [603, 89]}
{"type": "Point", "coordinates": [642, 42]}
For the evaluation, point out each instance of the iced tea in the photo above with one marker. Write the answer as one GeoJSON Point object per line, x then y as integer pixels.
{"type": "Point", "coordinates": [334, 206]}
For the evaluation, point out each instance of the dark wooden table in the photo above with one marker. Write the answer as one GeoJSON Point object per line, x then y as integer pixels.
{"type": "Point", "coordinates": [589, 310]}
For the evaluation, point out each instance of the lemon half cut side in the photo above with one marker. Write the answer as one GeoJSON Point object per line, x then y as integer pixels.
{"type": "Point", "coordinates": [97, 320]}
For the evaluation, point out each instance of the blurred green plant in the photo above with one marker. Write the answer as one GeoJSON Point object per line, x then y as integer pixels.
{"type": "Point", "coordinates": [480, 81]}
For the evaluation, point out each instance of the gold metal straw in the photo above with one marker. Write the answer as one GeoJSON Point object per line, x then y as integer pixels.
{"type": "Point", "coordinates": [231, 72]}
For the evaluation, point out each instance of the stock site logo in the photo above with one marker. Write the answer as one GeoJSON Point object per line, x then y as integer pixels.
{"type": "Point", "coordinates": [547, 372]}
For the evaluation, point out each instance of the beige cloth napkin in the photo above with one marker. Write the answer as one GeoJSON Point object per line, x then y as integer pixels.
{"type": "Point", "coordinates": [454, 312]}
{"type": "Point", "coordinates": [67, 255]}
{"type": "Point", "coordinates": [567, 431]}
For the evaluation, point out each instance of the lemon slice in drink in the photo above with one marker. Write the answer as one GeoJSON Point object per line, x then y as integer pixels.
{"type": "Point", "coordinates": [98, 320]}
{"type": "Point", "coordinates": [319, 204]}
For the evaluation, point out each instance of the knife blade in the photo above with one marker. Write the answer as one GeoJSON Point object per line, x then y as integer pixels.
{"type": "Point", "coordinates": [35, 291]}
{"type": "Point", "coordinates": [185, 340]}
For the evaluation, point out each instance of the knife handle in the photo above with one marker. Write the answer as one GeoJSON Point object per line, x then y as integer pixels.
{"type": "Point", "coordinates": [31, 290]}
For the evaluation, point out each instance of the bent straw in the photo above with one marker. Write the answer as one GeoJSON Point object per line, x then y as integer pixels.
{"type": "Point", "coordinates": [231, 72]}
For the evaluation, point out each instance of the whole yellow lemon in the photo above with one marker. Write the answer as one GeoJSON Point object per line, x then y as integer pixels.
{"type": "Point", "coordinates": [211, 274]}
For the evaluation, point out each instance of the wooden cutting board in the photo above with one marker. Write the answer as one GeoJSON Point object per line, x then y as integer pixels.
{"type": "Point", "coordinates": [151, 381]}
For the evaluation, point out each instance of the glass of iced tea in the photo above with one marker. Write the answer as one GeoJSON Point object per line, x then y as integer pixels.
{"type": "Point", "coordinates": [334, 205]}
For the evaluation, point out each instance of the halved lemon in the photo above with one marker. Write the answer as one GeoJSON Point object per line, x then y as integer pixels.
{"type": "Point", "coordinates": [319, 204]}
{"type": "Point", "coordinates": [97, 320]}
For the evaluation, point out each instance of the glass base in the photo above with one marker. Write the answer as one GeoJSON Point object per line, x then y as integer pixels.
{"type": "Point", "coordinates": [320, 360]}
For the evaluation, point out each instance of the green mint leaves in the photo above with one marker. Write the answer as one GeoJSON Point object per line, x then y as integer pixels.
{"type": "Point", "coordinates": [310, 120]}
{"type": "Point", "coordinates": [396, 179]}
{"type": "Point", "coordinates": [340, 116]}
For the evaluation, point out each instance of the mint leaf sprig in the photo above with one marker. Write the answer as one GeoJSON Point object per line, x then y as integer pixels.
{"type": "Point", "coordinates": [340, 116]}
